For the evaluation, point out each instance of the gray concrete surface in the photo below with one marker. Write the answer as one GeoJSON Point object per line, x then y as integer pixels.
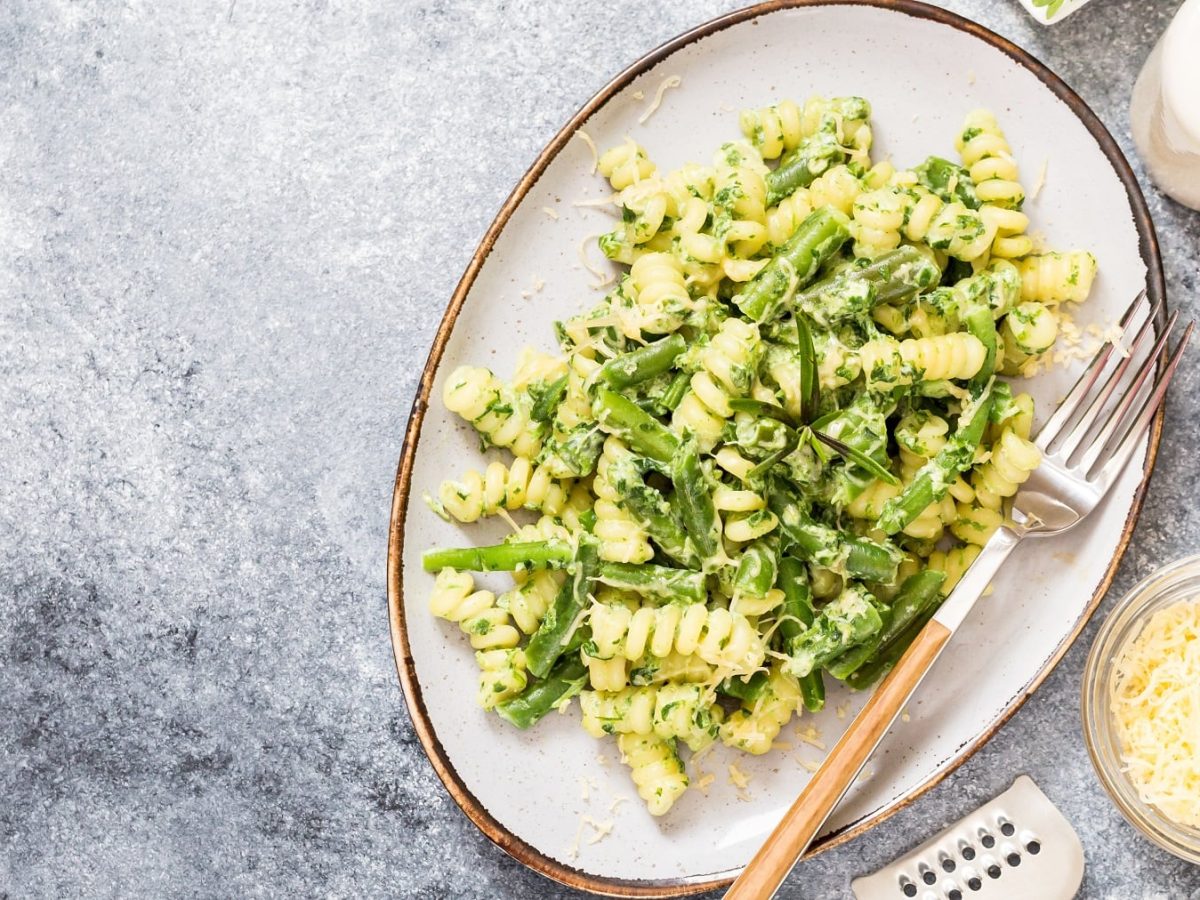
{"type": "Point", "coordinates": [227, 233]}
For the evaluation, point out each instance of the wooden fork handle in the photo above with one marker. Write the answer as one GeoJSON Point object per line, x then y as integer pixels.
{"type": "Point", "coordinates": [766, 871]}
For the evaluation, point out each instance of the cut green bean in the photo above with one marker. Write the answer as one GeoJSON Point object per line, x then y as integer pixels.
{"type": "Point", "coordinates": [654, 581]}
{"type": "Point", "coordinates": [643, 363]}
{"type": "Point", "coordinates": [675, 391]}
{"type": "Point", "coordinates": [641, 431]}
{"type": "Point", "coordinates": [553, 554]}
{"type": "Point", "coordinates": [651, 510]}
{"type": "Point", "coordinates": [933, 479]}
{"type": "Point", "coordinates": [746, 690]}
{"type": "Point", "coordinates": [565, 680]}
{"type": "Point", "coordinates": [849, 619]}
{"type": "Point", "coordinates": [828, 547]}
{"type": "Point", "coordinates": [948, 180]}
{"type": "Point", "coordinates": [853, 291]}
{"type": "Point", "coordinates": [756, 570]}
{"type": "Point", "coordinates": [918, 593]}
{"type": "Point", "coordinates": [795, 618]}
{"type": "Point", "coordinates": [561, 620]}
{"type": "Point", "coordinates": [888, 655]}
{"type": "Point", "coordinates": [816, 154]}
{"type": "Point", "coordinates": [693, 499]}
{"type": "Point", "coordinates": [816, 239]}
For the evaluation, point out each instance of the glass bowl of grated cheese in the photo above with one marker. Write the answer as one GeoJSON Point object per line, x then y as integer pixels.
{"type": "Point", "coordinates": [1141, 707]}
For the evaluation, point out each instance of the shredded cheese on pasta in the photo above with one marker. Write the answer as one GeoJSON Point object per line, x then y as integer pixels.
{"type": "Point", "coordinates": [1156, 705]}
{"type": "Point", "coordinates": [671, 81]}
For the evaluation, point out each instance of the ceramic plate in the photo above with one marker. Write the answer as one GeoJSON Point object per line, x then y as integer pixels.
{"type": "Point", "coordinates": [922, 69]}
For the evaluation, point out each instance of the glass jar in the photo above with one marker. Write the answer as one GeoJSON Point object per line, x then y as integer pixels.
{"type": "Point", "coordinates": [1172, 584]}
{"type": "Point", "coordinates": [1165, 110]}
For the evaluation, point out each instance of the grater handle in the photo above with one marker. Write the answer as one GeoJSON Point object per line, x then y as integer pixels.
{"type": "Point", "coordinates": [771, 864]}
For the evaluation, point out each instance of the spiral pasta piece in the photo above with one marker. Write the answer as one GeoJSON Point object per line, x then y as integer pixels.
{"type": "Point", "coordinates": [976, 524]}
{"type": "Point", "coordinates": [662, 296]}
{"type": "Point", "coordinates": [838, 187]}
{"type": "Point", "coordinates": [953, 563]}
{"type": "Point", "coordinates": [756, 726]}
{"type": "Point", "coordinates": [686, 712]}
{"type": "Point", "coordinates": [718, 636]}
{"type": "Point", "coordinates": [455, 599]}
{"type": "Point", "coordinates": [656, 769]}
{"type": "Point", "coordinates": [728, 369]}
{"type": "Point", "coordinates": [928, 525]}
{"type": "Point", "coordinates": [674, 667]}
{"type": "Point", "coordinates": [773, 129]}
{"type": "Point", "coordinates": [521, 485]}
{"type": "Point", "coordinates": [502, 675]}
{"type": "Point", "coordinates": [784, 218]}
{"type": "Point", "coordinates": [1012, 461]}
{"type": "Point", "coordinates": [877, 219]}
{"type": "Point", "coordinates": [625, 164]}
{"type": "Point", "coordinates": [528, 601]}
{"type": "Point", "coordinates": [920, 436]}
{"type": "Point", "coordinates": [498, 413]}
{"type": "Point", "coordinates": [1057, 277]}
{"type": "Point", "coordinates": [750, 517]}
{"type": "Point", "coordinates": [622, 539]}
{"type": "Point", "coordinates": [957, 356]}
{"type": "Point", "coordinates": [988, 158]}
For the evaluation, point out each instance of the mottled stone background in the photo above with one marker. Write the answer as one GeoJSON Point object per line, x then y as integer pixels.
{"type": "Point", "coordinates": [227, 233]}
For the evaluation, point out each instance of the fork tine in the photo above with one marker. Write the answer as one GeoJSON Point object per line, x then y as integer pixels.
{"type": "Point", "coordinates": [1112, 467]}
{"type": "Point", "coordinates": [1089, 419]}
{"type": "Point", "coordinates": [1075, 397]}
{"type": "Point", "coordinates": [1127, 399]}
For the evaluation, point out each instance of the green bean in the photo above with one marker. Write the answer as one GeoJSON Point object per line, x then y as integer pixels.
{"type": "Point", "coordinates": [948, 180]}
{"type": "Point", "coordinates": [796, 617]}
{"type": "Point", "coordinates": [846, 664]}
{"type": "Point", "coordinates": [675, 391]}
{"type": "Point", "coordinates": [889, 654]}
{"type": "Point", "coordinates": [935, 477]}
{"type": "Point", "coordinates": [817, 238]}
{"type": "Point", "coordinates": [552, 554]}
{"type": "Point", "coordinates": [641, 431]}
{"type": "Point", "coordinates": [643, 363]}
{"type": "Point", "coordinates": [979, 322]}
{"type": "Point", "coordinates": [694, 500]}
{"type": "Point", "coordinates": [565, 680]}
{"type": "Point", "coordinates": [849, 619]}
{"type": "Point", "coordinates": [654, 581]}
{"type": "Point", "coordinates": [853, 291]}
{"type": "Point", "coordinates": [816, 154]}
{"type": "Point", "coordinates": [561, 620]}
{"type": "Point", "coordinates": [828, 547]}
{"type": "Point", "coordinates": [918, 593]}
{"type": "Point", "coordinates": [651, 510]}
{"type": "Point", "coordinates": [747, 690]}
{"type": "Point", "coordinates": [547, 399]}
{"type": "Point", "coordinates": [756, 570]}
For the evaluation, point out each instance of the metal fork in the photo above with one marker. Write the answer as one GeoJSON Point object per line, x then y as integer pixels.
{"type": "Point", "coordinates": [1085, 445]}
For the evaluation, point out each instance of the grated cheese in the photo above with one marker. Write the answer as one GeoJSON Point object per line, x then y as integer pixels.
{"type": "Point", "coordinates": [671, 81]}
{"type": "Point", "coordinates": [602, 829]}
{"type": "Point", "coordinates": [550, 212]}
{"type": "Point", "coordinates": [587, 139]}
{"type": "Point", "coordinates": [1041, 180]}
{"type": "Point", "coordinates": [810, 765]}
{"type": "Point", "coordinates": [737, 777]}
{"type": "Point", "coordinates": [584, 795]}
{"type": "Point", "coordinates": [603, 279]}
{"type": "Point", "coordinates": [811, 736]}
{"type": "Point", "coordinates": [639, 95]}
{"type": "Point", "coordinates": [705, 781]}
{"type": "Point", "coordinates": [617, 801]}
{"type": "Point", "coordinates": [1156, 705]}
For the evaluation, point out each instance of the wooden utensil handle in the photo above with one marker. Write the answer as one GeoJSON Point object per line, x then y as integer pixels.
{"type": "Point", "coordinates": [766, 871]}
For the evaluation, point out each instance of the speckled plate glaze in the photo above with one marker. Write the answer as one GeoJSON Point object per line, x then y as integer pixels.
{"type": "Point", "coordinates": [922, 69]}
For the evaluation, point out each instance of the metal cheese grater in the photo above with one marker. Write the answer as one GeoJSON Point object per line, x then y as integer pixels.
{"type": "Point", "coordinates": [1018, 845]}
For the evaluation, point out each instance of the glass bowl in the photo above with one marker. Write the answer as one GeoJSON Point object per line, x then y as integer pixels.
{"type": "Point", "coordinates": [1171, 584]}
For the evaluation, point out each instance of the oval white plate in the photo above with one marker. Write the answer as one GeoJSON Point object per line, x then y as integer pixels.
{"type": "Point", "coordinates": [922, 69]}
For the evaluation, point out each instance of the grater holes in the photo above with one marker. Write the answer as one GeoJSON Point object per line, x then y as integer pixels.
{"type": "Point", "coordinates": [975, 882]}
{"type": "Point", "coordinates": [907, 888]}
{"type": "Point", "coordinates": [954, 894]}
{"type": "Point", "coordinates": [987, 839]}
{"type": "Point", "coordinates": [993, 871]}
{"type": "Point", "coordinates": [1013, 859]}
{"type": "Point", "coordinates": [1006, 827]}
{"type": "Point", "coordinates": [927, 875]}
{"type": "Point", "coordinates": [948, 864]}
{"type": "Point", "coordinates": [1034, 847]}
{"type": "Point", "coordinates": [966, 851]}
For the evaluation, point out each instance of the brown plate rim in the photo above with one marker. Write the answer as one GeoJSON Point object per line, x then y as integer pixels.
{"type": "Point", "coordinates": [521, 850]}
